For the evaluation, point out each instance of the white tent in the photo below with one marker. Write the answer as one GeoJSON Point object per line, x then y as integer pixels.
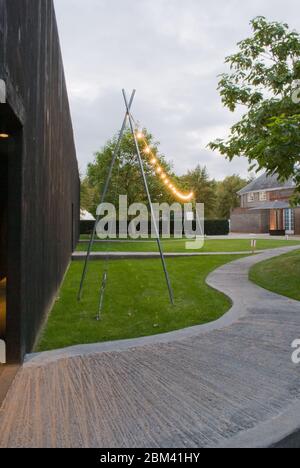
{"type": "Point", "coordinates": [86, 216]}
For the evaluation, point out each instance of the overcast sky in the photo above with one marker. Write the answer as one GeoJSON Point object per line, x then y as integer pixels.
{"type": "Point", "coordinates": [171, 51]}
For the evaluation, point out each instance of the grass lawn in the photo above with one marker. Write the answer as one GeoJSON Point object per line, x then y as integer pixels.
{"type": "Point", "coordinates": [280, 275]}
{"type": "Point", "coordinates": [136, 301]}
{"type": "Point", "coordinates": [178, 245]}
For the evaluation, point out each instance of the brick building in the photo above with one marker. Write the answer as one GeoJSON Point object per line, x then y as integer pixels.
{"type": "Point", "coordinates": [265, 208]}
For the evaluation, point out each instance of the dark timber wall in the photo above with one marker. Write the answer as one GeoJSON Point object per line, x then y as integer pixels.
{"type": "Point", "coordinates": [31, 65]}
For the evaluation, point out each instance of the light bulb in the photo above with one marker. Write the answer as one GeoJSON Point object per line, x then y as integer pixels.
{"type": "Point", "coordinates": [154, 161]}
{"type": "Point", "coordinates": [185, 197]}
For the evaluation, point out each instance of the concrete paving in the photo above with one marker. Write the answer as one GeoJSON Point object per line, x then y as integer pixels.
{"type": "Point", "coordinates": [80, 256]}
{"type": "Point", "coordinates": [228, 383]}
{"type": "Point", "coordinates": [7, 375]}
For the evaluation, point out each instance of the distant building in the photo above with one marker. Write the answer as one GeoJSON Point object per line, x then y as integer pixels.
{"type": "Point", "coordinates": [39, 179]}
{"type": "Point", "coordinates": [265, 208]}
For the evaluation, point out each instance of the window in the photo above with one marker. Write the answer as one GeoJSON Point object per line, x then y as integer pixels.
{"type": "Point", "coordinates": [289, 217]}
{"type": "Point", "coordinates": [262, 196]}
{"type": "Point", "coordinates": [250, 197]}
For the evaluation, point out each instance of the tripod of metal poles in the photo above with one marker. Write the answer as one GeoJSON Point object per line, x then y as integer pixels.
{"type": "Point", "coordinates": [127, 118]}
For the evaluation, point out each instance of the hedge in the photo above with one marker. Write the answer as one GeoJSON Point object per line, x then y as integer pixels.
{"type": "Point", "coordinates": [212, 227]}
{"type": "Point", "coordinates": [216, 227]}
{"type": "Point", "coordinates": [86, 227]}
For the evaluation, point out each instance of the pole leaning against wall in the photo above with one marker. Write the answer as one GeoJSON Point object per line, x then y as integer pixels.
{"type": "Point", "coordinates": [127, 118]}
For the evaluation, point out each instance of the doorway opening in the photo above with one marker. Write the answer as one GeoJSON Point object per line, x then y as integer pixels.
{"type": "Point", "coordinates": [3, 241]}
{"type": "Point", "coordinates": [10, 236]}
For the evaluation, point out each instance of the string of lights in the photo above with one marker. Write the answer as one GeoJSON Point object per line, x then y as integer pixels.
{"type": "Point", "coordinates": [166, 179]}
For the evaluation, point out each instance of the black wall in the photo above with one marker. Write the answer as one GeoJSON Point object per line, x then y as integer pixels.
{"type": "Point", "coordinates": [47, 175]}
{"type": "Point", "coordinates": [3, 216]}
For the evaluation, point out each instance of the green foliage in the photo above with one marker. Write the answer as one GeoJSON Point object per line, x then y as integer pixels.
{"type": "Point", "coordinates": [204, 189]}
{"type": "Point", "coordinates": [216, 227]}
{"type": "Point", "coordinates": [179, 245]}
{"type": "Point", "coordinates": [280, 275]}
{"type": "Point", "coordinates": [219, 197]}
{"type": "Point", "coordinates": [88, 195]}
{"type": "Point", "coordinates": [262, 78]}
{"type": "Point", "coordinates": [136, 301]}
{"type": "Point", "coordinates": [126, 177]}
{"type": "Point", "coordinates": [227, 197]}
{"type": "Point", "coordinates": [86, 227]}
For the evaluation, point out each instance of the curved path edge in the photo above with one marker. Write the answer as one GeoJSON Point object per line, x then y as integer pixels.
{"type": "Point", "coordinates": [81, 256]}
{"type": "Point", "coordinates": [218, 280]}
{"type": "Point", "coordinates": [281, 431]}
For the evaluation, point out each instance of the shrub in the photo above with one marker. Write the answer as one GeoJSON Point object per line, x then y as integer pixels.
{"type": "Point", "coordinates": [216, 227]}
{"type": "Point", "coordinates": [86, 227]}
{"type": "Point", "coordinates": [212, 227]}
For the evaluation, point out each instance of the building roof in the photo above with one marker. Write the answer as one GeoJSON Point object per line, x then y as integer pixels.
{"type": "Point", "coordinates": [274, 205]}
{"type": "Point", "coordinates": [267, 182]}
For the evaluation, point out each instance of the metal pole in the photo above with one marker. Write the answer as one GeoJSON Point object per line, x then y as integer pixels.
{"type": "Point", "coordinates": [150, 202]}
{"type": "Point", "coordinates": [102, 292]}
{"type": "Point", "coordinates": [92, 239]}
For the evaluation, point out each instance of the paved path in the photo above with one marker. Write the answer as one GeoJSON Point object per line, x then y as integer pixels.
{"type": "Point", "coordinates": [229, 383]}
{"type": "Point", "coordinates": [80, 256]}
{"type": "Point", "coordinates": [7, 375]}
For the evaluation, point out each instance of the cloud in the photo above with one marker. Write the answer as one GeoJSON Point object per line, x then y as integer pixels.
{"type": "Point", "coordinates": [170, 51]}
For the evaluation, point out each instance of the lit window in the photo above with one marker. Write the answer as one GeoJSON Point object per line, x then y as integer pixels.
{"type": "Point", "coordinates": [289, 220]}
{"type": "Point", "coordinates": [262, 196]}
{"type": "Point", "coordinates": [250, 197]}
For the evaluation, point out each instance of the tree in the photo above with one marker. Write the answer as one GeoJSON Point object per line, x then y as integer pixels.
{"type": "Point", "coordinates": [227, 197]}
{"type": "Point", "coordinates": [204, 189]}
{"type": "Point", "coordinates": [126, 177]}
{"type": "Point", "coordinates": [88, 195]}
{"type": "Point", "coordinates": [262, 78]}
